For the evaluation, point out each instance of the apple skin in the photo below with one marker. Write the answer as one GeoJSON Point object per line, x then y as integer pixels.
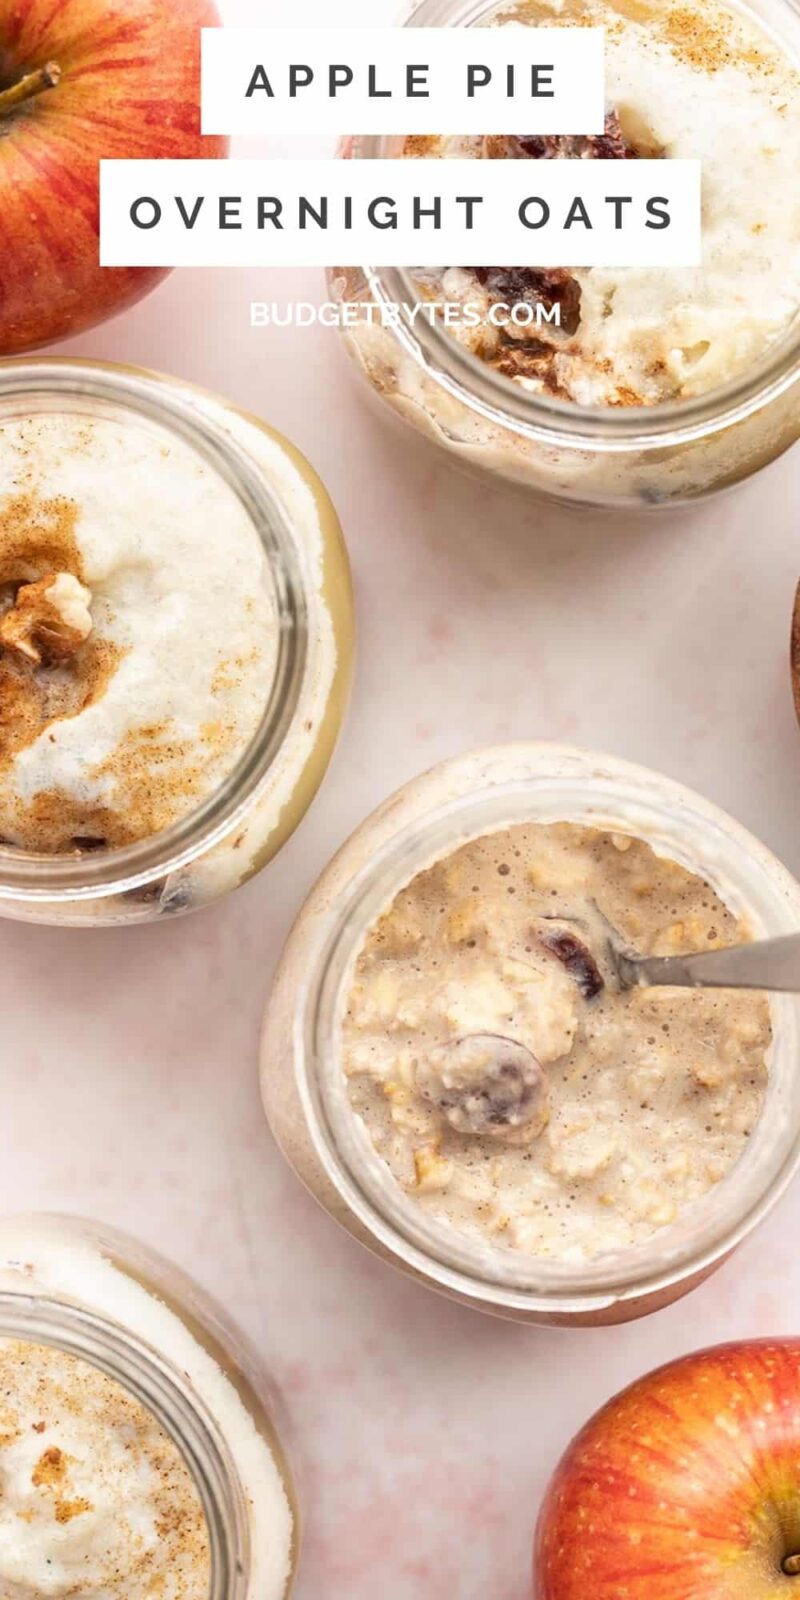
{"type": "Point", "coordinates": [130, 88]}
{"type": "Point", "coordinates": [685, 1487]}
{"type": "Point", "coordinates": [795, 652]}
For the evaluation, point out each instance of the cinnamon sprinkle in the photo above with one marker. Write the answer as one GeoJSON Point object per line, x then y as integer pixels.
{"type": "Point", "coordinates": [99, 1415]}
{"type": "Point", "coordinates": [697, 41]}
{"type": "Point", "coordinates": [151, 777]}
{"type": "Point", "coordinates": [38, 536]}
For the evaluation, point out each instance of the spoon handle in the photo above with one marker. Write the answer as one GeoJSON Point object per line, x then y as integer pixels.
{"type": "Point", "coordinates": [766, 964]}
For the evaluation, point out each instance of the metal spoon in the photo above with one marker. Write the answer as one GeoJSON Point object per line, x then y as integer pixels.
{"type": "Point", "coordinates": [766, 964]}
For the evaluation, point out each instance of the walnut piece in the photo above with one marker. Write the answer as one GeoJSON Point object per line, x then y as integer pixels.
{"type": "Point", "coordinates": [486, 1086]}
{"type": "Point", "coordinates": [49, 620]}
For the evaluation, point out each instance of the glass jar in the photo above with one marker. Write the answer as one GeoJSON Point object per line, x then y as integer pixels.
{"type": "Point", "coordinates": [102, 1298]}
{"type": "Point", "coordinates": [234, 833]}
{"type": "Point", "coordinates": [304, 1087]}
{"type": "Point", "coordinates": [637, 457]}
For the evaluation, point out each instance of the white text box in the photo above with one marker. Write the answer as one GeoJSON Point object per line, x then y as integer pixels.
{"type": "Point", "coordinates": [384, 213]}
{"type": "Point", "coordinates": [404, 80]}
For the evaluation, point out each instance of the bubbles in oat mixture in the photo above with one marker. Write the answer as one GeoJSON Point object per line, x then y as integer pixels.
{"type": "Point", "coordinates": [652, 1094]}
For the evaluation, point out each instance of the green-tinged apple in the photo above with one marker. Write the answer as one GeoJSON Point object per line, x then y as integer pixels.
{"type": "Point", "coordinates": [81, 79]}
{"type": "Point", "coordinates": [685, 1487]}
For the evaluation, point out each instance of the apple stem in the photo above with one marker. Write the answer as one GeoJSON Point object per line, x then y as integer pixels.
{"type": "Point", "coordinates": [32, 84]}
{"type": "Point", "coordinates": [791, 1566]}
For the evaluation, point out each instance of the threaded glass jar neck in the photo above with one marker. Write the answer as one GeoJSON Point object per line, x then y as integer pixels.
{"type": "Point", "coordinates": [466, 799]}
{"type": "Point", "coordinates": [42, 386]}
{"type": "Point", "coordinates": [166, 1394]}
{"type": "Point", "coordinates": [543, 418]}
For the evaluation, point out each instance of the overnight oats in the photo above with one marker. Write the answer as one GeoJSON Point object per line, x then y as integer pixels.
{"type": "Point", "coordinates": [175, 636]}
{"type": "Point", "coordinates": [137, 1453]}
{"type": "Point", "coordinates": [451, 1066]}
{"type": "Point", "coordinates": [509, 1085]}
{"type": "Point", "coordinates": [652, 384]}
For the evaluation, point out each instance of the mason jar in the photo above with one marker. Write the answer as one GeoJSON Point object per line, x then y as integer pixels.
{"type": "Point", "coordinates": [128, 1395]}
{"type": "Point", "coordinates": [262, 481]}
{"type": "Point", "coordinates": [303, 1081]}
{"type": "Point", "coordinates": [625, 455]}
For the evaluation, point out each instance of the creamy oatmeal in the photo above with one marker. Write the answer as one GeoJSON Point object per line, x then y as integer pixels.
{"type": "Point", "coordinates": [714, 82]}
{"type": "Point", "coordinates": [682, 80]}
{"type": "Point", "coordinates": [510, 1087]}
{"type": "Point", "coordinates": [138, 633]}
{"type": "Point", "coordinates": [96, 1499]}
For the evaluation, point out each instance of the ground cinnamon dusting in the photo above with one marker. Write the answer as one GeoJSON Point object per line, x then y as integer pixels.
{"type": "Point", "coordinates": [151, 772]}
{"type": "Point", "coordinates": [32, 698]}
{"type": "Point", "coordinates": [65, 1510]}
{"type": "Point", "coordinates": [159, 774]}
{"type": "Point", "coordinates": [106, 1425]}
{"type": "Point", "coordinates": [38, 536]}
{"type": "Point", "coordinates": [151, 777]}
{"type": "Point", "coordinates": [699, 42]}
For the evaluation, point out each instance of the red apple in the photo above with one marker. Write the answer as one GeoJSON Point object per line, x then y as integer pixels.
{"type": "Point", "coordinates": [686, 1487]}
{"type": "Point", "coordinates": [81, 79]}
{"type": "Point", "coordinates": [795, 652]}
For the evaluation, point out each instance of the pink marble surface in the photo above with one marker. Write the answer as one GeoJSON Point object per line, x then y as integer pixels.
{"type": "Point", "coordinates": [426, 1433]}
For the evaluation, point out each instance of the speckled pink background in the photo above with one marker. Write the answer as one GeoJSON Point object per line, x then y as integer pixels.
{"type": "Point", "coordinates": [425, 1433]}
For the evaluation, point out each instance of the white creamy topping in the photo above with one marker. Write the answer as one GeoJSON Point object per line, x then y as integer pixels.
{"type": "Point", "coordinates": [182, 620]}
{"type": "Point", "coordinates": [685, 80]}
{"type": "Point", "coordinates": [95, 1499]}
{"type": "Point", "coordinates": [43, 1255]}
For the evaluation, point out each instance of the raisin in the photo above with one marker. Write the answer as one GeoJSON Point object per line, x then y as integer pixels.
{"type": "Point", "coordinates": [610, 145]}
{"type": "Point", "coordinates": [577, 958]}
{"type": "Point", "coordinates": [549, 285]}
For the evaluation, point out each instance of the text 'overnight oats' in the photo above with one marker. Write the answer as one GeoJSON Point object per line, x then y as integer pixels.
{"type": "Point", "coordinates": [138, 633]}
{"type": "Point", "coordinates": [97, 1499]}
{"type": "Point", "coordinates": [512, 1089]}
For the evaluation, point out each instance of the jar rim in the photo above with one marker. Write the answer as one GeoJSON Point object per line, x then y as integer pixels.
{"type": "Point", "coordinates": [542, 418]}
{"type": "Point", "coordinates": [753, 881]}
{"type": "Point", "coordinates": [169, 404]}
{"type": "Point", "coordinates": [37, 1317]}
